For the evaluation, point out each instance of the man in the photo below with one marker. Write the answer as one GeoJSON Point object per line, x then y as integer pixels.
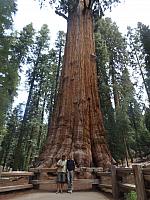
{"type": "Point", "coordinates": [70, 172]}
{"type": "Point", "coordinates": [61, 174]}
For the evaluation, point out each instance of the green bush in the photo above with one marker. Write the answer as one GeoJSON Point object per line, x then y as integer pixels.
{"type": "Point", "coordinates": [131, 196]}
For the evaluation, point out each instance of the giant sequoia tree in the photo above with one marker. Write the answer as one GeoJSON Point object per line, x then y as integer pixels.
{"type": "Point", "coordinates": [77, 125]}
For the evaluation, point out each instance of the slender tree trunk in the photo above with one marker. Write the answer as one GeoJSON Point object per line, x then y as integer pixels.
{"type": "Point", "coordinates": [51, 109]}
{"type": "Point", "coordinates": [138, 146]}
{"type": "Point", "coordinates": [77, 125]}
{"type": "Point", "coordinates": [129, 153]}
{"type": "Point", "coordinates": [41, 125]}
{"type": "Point", "coordinates": [114, 83]}
{"type": "Point", "coordinates": [29, 152]}
{"type": "Point", "coordinates": [126, 150]}
{"type": "Point", "coordinates": [57, 74]}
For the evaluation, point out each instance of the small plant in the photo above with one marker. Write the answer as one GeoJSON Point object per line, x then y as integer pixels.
{"type": "Point", "coordinates": [131, 196]}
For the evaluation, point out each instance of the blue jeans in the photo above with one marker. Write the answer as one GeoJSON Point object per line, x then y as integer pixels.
{"type": "Point", "coordinates": [70, 180]}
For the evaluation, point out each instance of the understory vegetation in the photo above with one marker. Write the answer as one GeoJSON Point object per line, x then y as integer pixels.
{"type": "Point", "coordinates": [131, 196]}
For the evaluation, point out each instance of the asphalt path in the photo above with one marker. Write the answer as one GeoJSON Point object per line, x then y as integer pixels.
{"type": "Point", "coordinates": [64, 196]}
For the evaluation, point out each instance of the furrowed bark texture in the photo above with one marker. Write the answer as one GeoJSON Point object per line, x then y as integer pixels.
{"type": "Point", "coordinates": [77, 125]}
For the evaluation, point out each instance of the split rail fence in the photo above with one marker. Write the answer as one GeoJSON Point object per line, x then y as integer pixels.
{"type": "Point", "coordinates": [120, 181]}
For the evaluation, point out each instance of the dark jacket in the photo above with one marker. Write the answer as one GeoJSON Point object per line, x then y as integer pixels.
{"type": "Point", "coordinates": [70, 165]}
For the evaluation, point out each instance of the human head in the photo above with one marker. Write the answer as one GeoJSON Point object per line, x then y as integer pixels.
{"type": "Point", "coordinates": [63, 157]}
{"type": "Point", "coordinates": [70, 156]}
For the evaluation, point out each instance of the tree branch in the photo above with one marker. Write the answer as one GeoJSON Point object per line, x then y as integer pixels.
{"type": "Point", "coordinates": [61, 14]}
{"type": "Point", "coordinates": [90, 4]}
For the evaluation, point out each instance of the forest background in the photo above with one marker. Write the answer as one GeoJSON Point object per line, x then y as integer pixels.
{"type": "Point", "coordinates": [28, 55]}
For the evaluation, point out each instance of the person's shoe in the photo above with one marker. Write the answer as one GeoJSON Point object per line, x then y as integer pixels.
{"type": "Point", "coordinates": [57, 192]}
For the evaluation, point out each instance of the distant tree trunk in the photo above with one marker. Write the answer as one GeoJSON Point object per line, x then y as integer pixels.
{"type": "Point", "coordinates": [58, 73]}
{"type": "Point", "coordinates": [51, 110]}
{"type": "Point", "coordinates": [114, 83]}
{"type": "Point", "coordinates": [77, 125]}
{"type": "Point", "coordinates": [126, 150]}
{"type": "Point", "coordinates": [41, 125]}
{"type": "Point", "coordinates": [138, 147]}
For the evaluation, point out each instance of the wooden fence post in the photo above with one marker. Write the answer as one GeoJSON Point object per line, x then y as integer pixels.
{"type": "Point", "coordinates": [115, 189]}
{"type": "Point", "coordinates": [139, 182]}
{"type": "Point", "coordinates": [35, 179]}
{"type": "Point", "coordinates": [1, 169]}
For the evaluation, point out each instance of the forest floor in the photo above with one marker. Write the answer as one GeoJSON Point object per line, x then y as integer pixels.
{"type": "Point", "coordinates": [38, 195]}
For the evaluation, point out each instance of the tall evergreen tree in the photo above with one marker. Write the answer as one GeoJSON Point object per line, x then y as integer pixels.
{"type": "Point", "coordinates": [145, 40]}
{"type": "Point", "coordinates": [77, 119]}
{"type": "Point", "coordinates": [138, 39]}
{"type": "Point", "coordinates": [41, 80]}
{"type": "Point", "coordinates": [10, 139]}
{"type": "Point", "coordinates": [7, 85]}
{"type": "Point", "coordinates": [117, 54]}
{"type": "Point", "coordinates": [137, 60]}
{"type": "Point", "coordinates": [59, 48]}
{"type": "Point", "coordinates": [59, 52]}
{"type": "Point", "coordinates": [123, 121]}
{"type": "Point", "coordinates": [111, 61]}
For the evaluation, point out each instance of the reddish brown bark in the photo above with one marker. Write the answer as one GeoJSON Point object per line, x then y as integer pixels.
{"type": "Point", "coordinates": [77, 125]}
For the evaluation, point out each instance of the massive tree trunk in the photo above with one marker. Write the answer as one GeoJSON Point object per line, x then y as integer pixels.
{"type": "Point", "coordinates": [77, 125]}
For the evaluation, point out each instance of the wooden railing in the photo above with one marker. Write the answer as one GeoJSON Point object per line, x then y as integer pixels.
{"type": "Point", "coordinates": [124, 180]}
{"type": "Point", "coordinates": [118, 181]}
{"type": "Point", "coordinates": [48, 176]}
{"type": "Point", "coordinates": [15, 180]}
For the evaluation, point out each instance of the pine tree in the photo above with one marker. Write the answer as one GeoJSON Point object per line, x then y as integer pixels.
{"type": "Point", "coordinates": [7, 85]}
{"type": "Point", "coordinates": [59, 52]}
{"type": "Point", "coordinates": [145, 40]}
{"type": "Point", "coordinates": [10, 139]}
{"type": "Point", "coordinates": [137, 58]}
{"type": "Point", "coordinates": [111, 61]}
{"type": "Point", "coordinates": [41, 80]}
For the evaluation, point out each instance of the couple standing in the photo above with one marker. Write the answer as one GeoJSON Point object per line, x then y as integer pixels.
{"type": "Point", "coordinates": [65, 169]}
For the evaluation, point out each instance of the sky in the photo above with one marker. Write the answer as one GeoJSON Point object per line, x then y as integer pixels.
{"type": "Point", "coordinates": [128, 13]}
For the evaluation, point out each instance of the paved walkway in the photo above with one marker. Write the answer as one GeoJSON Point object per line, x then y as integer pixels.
{"type": "Point", "coordinates": [64, 196]}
